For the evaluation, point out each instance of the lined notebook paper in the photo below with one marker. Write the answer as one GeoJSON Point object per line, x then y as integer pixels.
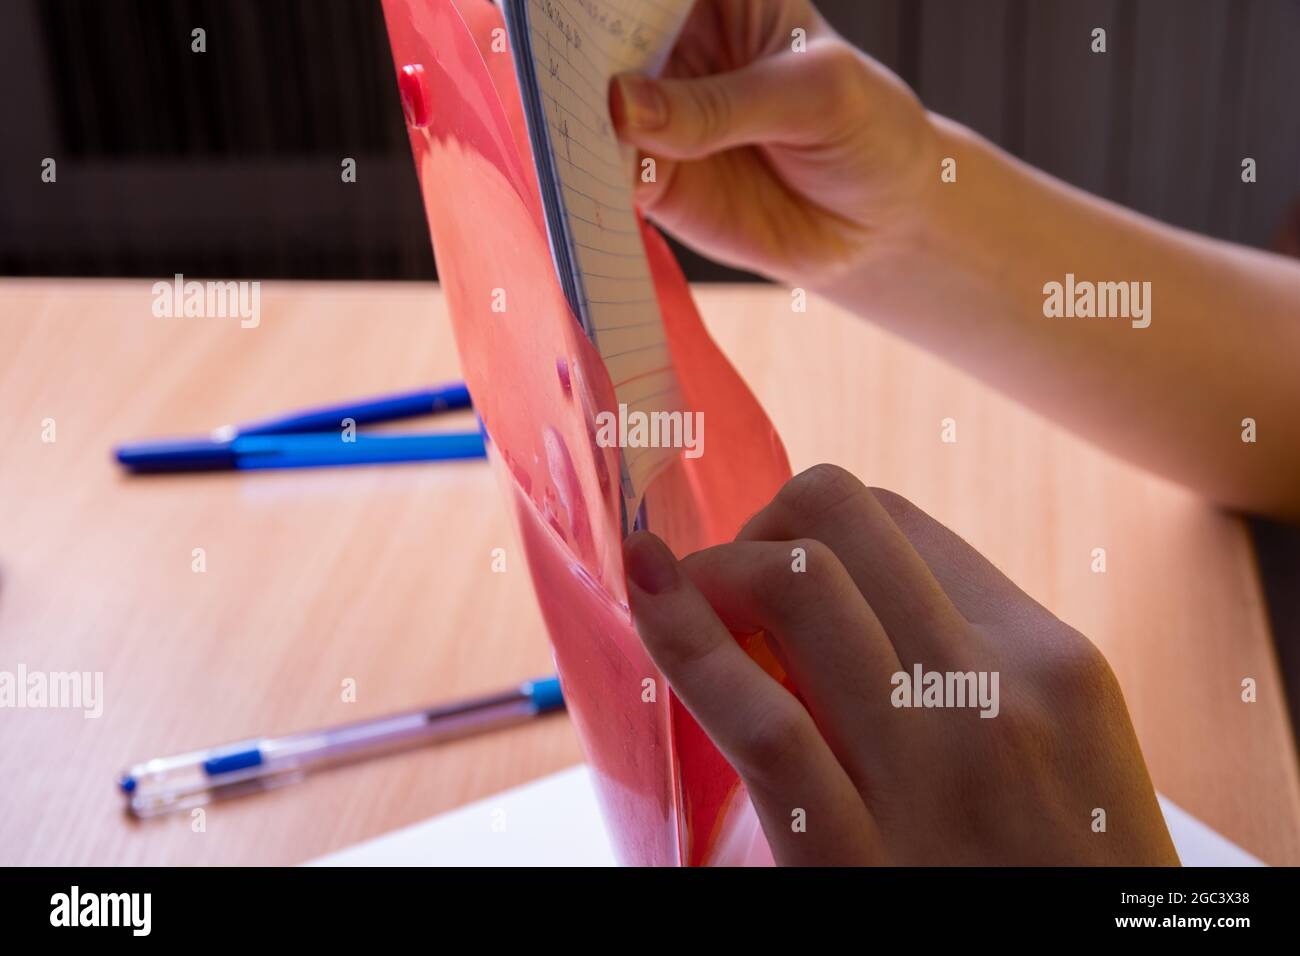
{"type": "Point", "coordinates": [565, 53]}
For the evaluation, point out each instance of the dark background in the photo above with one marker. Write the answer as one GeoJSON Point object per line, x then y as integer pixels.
{"type": "Point", "coordinates": [227, 163]}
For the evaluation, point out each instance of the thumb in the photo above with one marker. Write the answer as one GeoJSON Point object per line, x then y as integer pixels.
{"type": "Point", "coordinates": [770, 100]}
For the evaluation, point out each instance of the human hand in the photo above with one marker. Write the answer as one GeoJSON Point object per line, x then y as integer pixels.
{"type": "Point", "coordinates": [887, 588]}
{"type": "Point", "coordinates": [796, 165]}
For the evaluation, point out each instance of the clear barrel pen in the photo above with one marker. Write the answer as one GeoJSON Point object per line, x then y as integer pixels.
{"type": "Point", "coordinates": [170, 784]}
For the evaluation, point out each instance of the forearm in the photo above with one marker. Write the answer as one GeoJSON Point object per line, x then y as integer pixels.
{"type": "Point", "coordinates": [1222, 344]}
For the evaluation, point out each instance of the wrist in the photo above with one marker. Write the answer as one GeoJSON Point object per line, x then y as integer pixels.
{"type": "Point", "coordinates": [957, 222]}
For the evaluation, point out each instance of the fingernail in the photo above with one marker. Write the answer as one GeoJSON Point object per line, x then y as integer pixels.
{"type": "Point", "coordinates": [649, 563]}
{"type": "Point", "coordinates": [637, 102]}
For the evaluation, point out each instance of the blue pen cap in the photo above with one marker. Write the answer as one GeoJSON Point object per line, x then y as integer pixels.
{"type": "Point", "coordinates": [451, 397]}
{"type": "Point", "coordinates": [546, 694]}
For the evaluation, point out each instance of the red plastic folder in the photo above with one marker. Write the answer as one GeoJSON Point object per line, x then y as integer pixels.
{"type": "Point", "coordinates": [538, 384]}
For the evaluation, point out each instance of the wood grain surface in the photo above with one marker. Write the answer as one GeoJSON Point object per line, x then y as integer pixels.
{"type": "Point", "coordinates": [382, 576]}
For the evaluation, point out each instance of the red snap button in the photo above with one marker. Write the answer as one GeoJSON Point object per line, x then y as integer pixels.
{"type": "Point", "coordinates": [415, 94]}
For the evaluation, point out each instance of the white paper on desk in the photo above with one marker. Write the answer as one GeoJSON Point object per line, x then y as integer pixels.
{"type": "Point", "coordinates": [555, 821]}
{"type": "Point", "coordinates": [1197, 844]}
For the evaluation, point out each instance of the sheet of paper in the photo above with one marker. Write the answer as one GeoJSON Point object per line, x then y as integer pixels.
{"type": "Point", "coordinates": [555, 821]}
{"type": "Point", "coordinates": [568, 50]}
{"type": "Point", "coordinates": [1197, 844]}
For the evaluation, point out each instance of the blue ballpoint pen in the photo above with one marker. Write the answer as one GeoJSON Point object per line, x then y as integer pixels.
{"type": "Point", "coordinates": [247, 452]}
{"type": "Point", "coordinates": [168, 784]}
{"type": "Point", "coordinates": [428, 401]}
{"type": "Point", "coordinates": [315, 438]}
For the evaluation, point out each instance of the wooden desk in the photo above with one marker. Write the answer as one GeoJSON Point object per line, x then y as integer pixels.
{"type": "Point", "coordinates": [382, 575]}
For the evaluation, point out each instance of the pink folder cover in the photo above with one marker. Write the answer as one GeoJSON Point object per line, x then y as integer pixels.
{"type": "Point", "coordinates": [538, 383]}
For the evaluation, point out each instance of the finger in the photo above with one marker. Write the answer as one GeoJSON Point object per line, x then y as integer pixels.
{"type": "Point", "coordinates": [830, 505]}
{"type": "Point", "coordinates": [759, 727]}
{"type": "Point", "coordinates": [982, 593]}
{"type": "Point", "coordinates": [789, 98]}
{"type": "Point", "coordinates": [828, 638]}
